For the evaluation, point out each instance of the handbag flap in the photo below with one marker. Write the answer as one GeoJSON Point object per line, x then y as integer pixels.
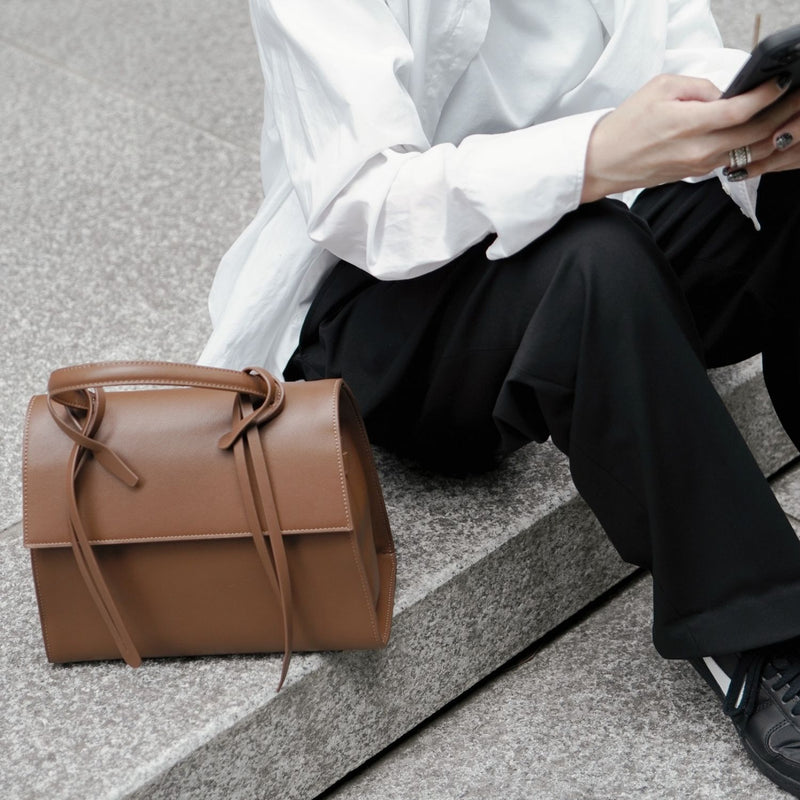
{"type": "Point", "coordinates": [188, 486]}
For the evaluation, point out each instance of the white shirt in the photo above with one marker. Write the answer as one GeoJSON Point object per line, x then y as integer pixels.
{"type": "Point", "coordinates": [398, 133]}
{"type": "Point", "coordinates": [510, 83]}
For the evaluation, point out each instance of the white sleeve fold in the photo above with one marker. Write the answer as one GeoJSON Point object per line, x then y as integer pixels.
{"type": "Point", "coordinates": [407, 213]}
{"type": "Point", "coordinates": [373, 190]}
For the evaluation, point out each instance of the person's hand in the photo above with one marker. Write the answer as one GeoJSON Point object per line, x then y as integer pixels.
{"type": "Point", "coordinates": [676, 127]}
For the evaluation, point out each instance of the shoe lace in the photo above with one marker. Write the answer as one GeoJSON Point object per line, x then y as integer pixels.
{"type": "Point", "coordinates": [782, 670]}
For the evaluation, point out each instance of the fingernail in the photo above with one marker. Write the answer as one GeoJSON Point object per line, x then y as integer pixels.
{"type": "Point", "coordinates": [783, 80]}
{"type": "Point", "coordinates": [737, 175]}
{"type": "Point", "coordinates": [783, 141]}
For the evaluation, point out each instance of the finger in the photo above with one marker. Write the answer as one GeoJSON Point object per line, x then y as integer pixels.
{"type": "Point", "coordinates": [779, 161]}
{"type": "Point", "coordinates": [758, 152]}
{"type": "Point", "coordinates": [770, 124]}
{"type": "Point", "coordinates": [788, 134]}
{"type": "Point", "coordinates": [783, 166]}
{"type": "Point", "coordinates": [735, 111]}
{"type": "Point", "coordinates": [683, 87]}
{"type": "Point", "coordinates": [782, 112]}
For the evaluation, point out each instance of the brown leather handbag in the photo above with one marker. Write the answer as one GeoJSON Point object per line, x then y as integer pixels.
{"type": "Point", "coordinates": [234, 514]}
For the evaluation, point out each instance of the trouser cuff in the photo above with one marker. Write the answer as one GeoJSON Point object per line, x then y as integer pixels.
{"type": "Point", "coordinates": [743, 624]}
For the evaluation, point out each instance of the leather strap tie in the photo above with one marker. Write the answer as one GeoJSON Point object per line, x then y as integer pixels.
{"type": "Point", "coordinates": [81, 433]}
{"type": "Point", "coordinates": [269, 408]}
{"type": "Point", "coordinates": [251, 460]}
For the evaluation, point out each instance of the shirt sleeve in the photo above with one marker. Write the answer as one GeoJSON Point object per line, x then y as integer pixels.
{"type": "Point", "coordinates": [694, 47]}
{"type": "Point", "coordinates": [372, 188]}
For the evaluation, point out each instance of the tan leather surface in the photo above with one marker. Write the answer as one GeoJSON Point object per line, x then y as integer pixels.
{"type": "Point", "coordinates": [210, 599]}
{"type": "Point", "coordinates": [142, 531]}
{"type": "Point", "coordinates": [169, 438]}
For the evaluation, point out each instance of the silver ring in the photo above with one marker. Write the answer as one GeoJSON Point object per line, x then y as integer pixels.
{"type": "Point", "coordinates": [740, 157]}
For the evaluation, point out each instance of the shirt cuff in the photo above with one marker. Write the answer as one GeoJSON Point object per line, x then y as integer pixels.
{"type": "Point", "coordinates": [524, 181]}
{"type": "Point", "coordinates": [743, 193]}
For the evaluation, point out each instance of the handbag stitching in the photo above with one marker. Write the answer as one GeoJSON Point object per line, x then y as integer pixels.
{"type": "Point", "coordinates": [77, 367]}
{"type": "Point", "coordinates": [364, 588]}
{"type": "Point", "coordinates": [42, 615]}
{"type": "Point", "coordinates": [387, 549]}
{"type": "Point", "coordinates": [389, 605]}
{"type": "Point", "coordinates": [339, 457]}
{"type": "Point", "coordinates": [151, 382]}
{"type": "Point", "coordinates": [193, 537]}
{"type": "Point", "coordinates": [26, 435]}
{"type": "Point", "coordinates": [372, 475]}
{"type": "Point", "coordinates": [353, 544]}
{"type": "Point", "coordinates": [140, 363]}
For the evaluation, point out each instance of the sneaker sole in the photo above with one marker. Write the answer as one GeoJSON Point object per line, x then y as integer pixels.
{"type": "Point", "coordinates": [760, 763]}
{"type": "Point", "coordinates": [763, 766]}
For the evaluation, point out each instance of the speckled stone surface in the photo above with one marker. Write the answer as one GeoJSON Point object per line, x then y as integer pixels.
{"type": "Point", "coordinates": [195, 60]}
{"type": "Point", "coordinates": [474, 589]}
{"type": "Point", "coordinates": [114, 217]}
{"type": "Point", "coordinates": [736, 18]}
{"type": "Point", "coordinates": [595, 715]}
{"type": "Point", "coordinates": [787, 490]}
{"type": "Point", "coordinates": [742, 387]}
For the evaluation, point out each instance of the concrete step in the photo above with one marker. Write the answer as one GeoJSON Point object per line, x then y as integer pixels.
{"type": "Point", "coordinates": [591, 713]}
{"type": "Point", "coordinates": [594, 715]}
{"type": "Point", "coordinates": [486, 566]}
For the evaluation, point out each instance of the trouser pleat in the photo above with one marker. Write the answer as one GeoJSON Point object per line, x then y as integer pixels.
{"type": "Point", "coordinates": [599, 335]}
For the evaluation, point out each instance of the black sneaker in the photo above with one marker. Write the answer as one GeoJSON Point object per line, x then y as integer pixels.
{"type": "Point", "coordinates": [763, 700]}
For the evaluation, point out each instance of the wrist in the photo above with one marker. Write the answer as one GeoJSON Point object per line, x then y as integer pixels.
{"type": "Point", "coordinates": [595, 188]}
{"type": "Point", "coordinates": [596, 185]}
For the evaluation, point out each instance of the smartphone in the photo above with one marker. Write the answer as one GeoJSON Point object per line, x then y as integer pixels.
{"type": "Point", "coordinates": [775, 55]}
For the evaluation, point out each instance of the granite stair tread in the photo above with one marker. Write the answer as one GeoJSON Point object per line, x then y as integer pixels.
{"type": "Point", "coordinates": [487, 565]}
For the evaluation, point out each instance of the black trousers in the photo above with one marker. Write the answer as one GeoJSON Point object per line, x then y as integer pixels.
{"type": "Point", "coordinates": [599, 335]}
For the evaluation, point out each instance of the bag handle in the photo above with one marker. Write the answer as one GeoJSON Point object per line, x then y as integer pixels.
{"type": "Point", "coordinates": [70, 386]}
{"type": "Point", "coordinates": [67, 385]}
